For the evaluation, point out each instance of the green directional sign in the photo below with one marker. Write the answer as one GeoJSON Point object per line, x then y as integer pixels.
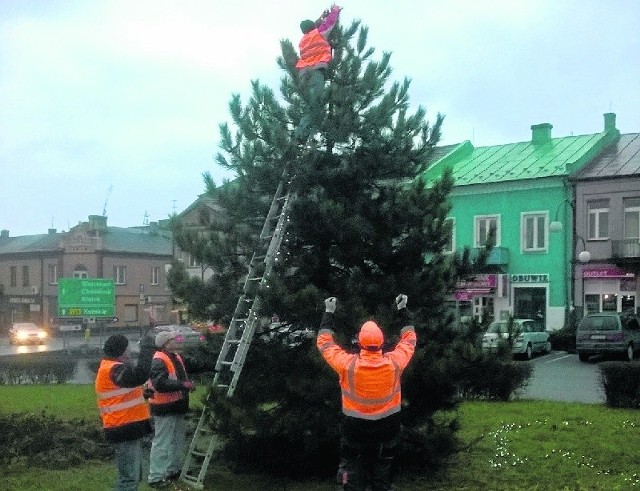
{"type": "Point", "coordinates": [86, 297]}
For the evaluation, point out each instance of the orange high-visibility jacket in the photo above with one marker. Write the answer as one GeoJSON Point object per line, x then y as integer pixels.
{"type": "Point", "coordinates": [369, 380]}
{"type": "Point", "coordinates": [167, 397]}
{"type": "Point", "coordinates": [119, 406]}
{"type": "Point", "coordinates": [315, 51]}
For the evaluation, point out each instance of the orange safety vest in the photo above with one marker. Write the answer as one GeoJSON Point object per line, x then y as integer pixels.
{"type": "Point", "coordinates": [167, 397]}
{"type": "Point", "coordinates": [370, 380]}
{"type": "Point", "coordinates": [118, 406]}
{"type": "Point", "coordinates": [314, 50]}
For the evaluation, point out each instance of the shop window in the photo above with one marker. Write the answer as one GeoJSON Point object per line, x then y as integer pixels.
{"type": "Point", "coordinates": [628, 302]}
{"type": "Point", "coordinates": [592, 304]}
{"type": "Point", "coordinates": [609, 302]}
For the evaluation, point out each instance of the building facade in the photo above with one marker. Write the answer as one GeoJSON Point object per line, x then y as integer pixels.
{"type": "Point", "coordinates": [137, 259]}
{"type": "Point", "coordinates": [607, 228]}
{"type": "Point", "coordinates": [517, 190]}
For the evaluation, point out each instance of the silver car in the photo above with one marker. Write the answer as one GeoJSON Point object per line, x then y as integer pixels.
{"type": "Point", "coordinates": [527, 337]}
{"type": "Point", "coordinates": [608, 333]}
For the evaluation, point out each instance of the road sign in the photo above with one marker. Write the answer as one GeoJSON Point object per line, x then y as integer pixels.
{"type": "Point", "coordinates": [86, 297]}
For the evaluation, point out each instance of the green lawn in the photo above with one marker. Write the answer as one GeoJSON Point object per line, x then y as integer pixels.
{"type": "Point", "coordinates": [521, 445]}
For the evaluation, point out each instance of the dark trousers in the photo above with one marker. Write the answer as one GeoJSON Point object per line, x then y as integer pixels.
{"type": "Point", "coordinates": [313, 83]}
{"type": "Point", "coordinates": [366, 464]}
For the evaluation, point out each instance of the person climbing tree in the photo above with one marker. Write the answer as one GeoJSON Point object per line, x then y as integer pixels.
{"type": "Point", "coordinates": [315, 55]}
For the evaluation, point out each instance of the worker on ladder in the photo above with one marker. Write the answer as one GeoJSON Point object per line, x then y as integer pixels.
{"type": "Point", "coordinates": [371, 397]}
{"type": "Point", "coordinates": [315, 55]}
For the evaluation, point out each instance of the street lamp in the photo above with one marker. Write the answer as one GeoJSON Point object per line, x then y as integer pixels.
{"type": "Point", "coordinates": [584, 256]}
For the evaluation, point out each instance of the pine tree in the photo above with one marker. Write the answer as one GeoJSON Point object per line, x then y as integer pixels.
{"type": "Point", "coordinates": [363, 228]}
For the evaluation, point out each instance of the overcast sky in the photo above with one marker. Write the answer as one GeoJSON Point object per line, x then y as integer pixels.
{"type": "Point", "coordinates": [119, 102]}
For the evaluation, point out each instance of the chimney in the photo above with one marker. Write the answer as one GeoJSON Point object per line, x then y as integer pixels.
{"type": "Point", "coordinates": [52, 231]}
{"type": "Point", "coordinates": [609, 122]}
{"type": "Point", "coordinates": [541, 133]}
{"type": "Point", "coordinates": [4, 234]}
{"type": "Point", "coordinates": [98, 223]}
{"type": "Point", "coordinates": [153, 228]}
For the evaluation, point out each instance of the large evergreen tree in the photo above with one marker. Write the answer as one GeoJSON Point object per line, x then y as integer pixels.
{"type": "Point", "coordinates": [363, 227]}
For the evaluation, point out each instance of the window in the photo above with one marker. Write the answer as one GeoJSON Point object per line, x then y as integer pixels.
{"type": "Point", "coordinates": [450, 246]}
{"type": "Point", "coordinates": [80, 271]}
{"type": "Point", "coordinates": [154, 275]}
{"type": "Point", "coordinates": [120, 275]}
{"type": "Point", "coordinates": [598, 212]}
{"type": "Point", "coordinates": [14, 276]}
{"type": "Point", "coordinates": [25, 275]}
{"type": "Point", "coordinates": [130, 313]}
{"type": "Point", "coordinates": [534, 232]}
{"type": "Point", "coordinates": [632, 218]}
{"type": "Point", "coordinates": [484, 225]}
{"type": "Point", "coordinates": [52, 270]}
{"type": "Point", "coordinates": [193, 262]}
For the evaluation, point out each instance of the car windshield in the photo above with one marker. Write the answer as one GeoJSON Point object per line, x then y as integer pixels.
{"type": "Point", "coordinates": [498, 328]}
{"type": "Point", "coordinates": [599, 323]}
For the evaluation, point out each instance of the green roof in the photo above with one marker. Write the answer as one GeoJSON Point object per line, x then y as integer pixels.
{"type": "Point", "coordinates": [539, 158]}
{"type": "Point", "coordinates": [114, 239]}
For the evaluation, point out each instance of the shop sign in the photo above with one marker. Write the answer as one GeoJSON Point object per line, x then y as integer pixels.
{"type": "Point", "coordinates": [467, 294]}
{"type": "Point", "coordinates": [479, 281]}
{"type": "Point", "coordinates": [530, 278]}
{"type": "Point", "coordinates": [606, 272]}
{"type": "Point", "coordinates": [21, 300]}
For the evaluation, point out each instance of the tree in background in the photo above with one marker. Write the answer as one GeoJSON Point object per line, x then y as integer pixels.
{"type": "Point", "coordinates": [363, 227]}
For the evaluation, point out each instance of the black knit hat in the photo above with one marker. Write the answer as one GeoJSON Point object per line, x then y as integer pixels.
{"type": "Point", "coordinates": [115, 345]}
{"type": "Point", "coordinates": [307, 26]}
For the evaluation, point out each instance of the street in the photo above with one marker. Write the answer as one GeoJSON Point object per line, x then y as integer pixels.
{"type": "Point", "coordinates": [66, 340]}
{"type": "Point", "coordinates": [560, 376]}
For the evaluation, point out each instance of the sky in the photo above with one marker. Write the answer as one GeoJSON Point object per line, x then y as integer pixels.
{"type": "Point", "coordinates": [113, 106]}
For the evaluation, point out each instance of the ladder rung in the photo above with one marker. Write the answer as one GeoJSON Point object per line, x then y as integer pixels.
{"type": "Point", "coordinates": [197, 453]}
{"type": "Point", "coordinates": [226, 363]}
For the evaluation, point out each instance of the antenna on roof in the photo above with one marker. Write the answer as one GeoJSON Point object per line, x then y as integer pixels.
{"type": "Point", "coordinates": [104, 208]}
{"type": "Point", "coordinates": [145, 219]}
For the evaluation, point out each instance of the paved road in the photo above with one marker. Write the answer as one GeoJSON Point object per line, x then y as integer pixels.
{"type": "Point", "coordinates": [560, 376]}
{"type": "Point", "coordinates": [65, 341]}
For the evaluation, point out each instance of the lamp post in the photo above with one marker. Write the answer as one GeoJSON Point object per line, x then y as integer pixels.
{"type": "Point", "coordinates": [584, 256]}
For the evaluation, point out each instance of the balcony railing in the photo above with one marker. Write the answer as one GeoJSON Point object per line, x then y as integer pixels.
{"type": "Point", "coordinates": [625, 248]}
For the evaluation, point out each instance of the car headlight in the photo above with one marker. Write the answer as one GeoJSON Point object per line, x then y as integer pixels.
{"type": "Point", "coordinates": [21, 335]}
{"type": "Point", "coordinates": [42, 335]}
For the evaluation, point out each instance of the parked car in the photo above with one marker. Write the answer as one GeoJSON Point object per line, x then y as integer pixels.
{"type": "Point", "coordinates": [608, 333]}
{"type": "Point", "coordinates": [528, 337]}
{"type": "Point", "coordinates": [187, 337]}
{"type": "Point", "coordinates": [27, 333]}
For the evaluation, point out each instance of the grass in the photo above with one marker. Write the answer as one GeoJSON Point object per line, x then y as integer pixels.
{"type": "Point", "coordinates": [520, 445]}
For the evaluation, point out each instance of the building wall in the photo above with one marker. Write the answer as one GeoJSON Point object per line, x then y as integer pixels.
{"type": "Point", "coordinates": [546, 270]}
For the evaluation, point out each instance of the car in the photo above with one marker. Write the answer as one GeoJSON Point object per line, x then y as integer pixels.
{"type": "Point", "coordinates": [187, 337]}
{"type": "Point", "coordinates": [608, 333]}
{"type": "Point", "coordinates": [27, 333]}
{"type": "Point", "coordinates": [528, 337]}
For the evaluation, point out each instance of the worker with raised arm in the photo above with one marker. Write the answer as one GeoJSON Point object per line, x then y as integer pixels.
{"type": "Point", "coordinates": [371, 397]}
{"type": "Point", "coordinates": [315, 55]}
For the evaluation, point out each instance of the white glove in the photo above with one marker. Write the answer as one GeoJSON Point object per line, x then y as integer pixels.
{"type": "Point", "coordinates": [401, 301]}
{"type": "Point", "coordinates": [330, 304]}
